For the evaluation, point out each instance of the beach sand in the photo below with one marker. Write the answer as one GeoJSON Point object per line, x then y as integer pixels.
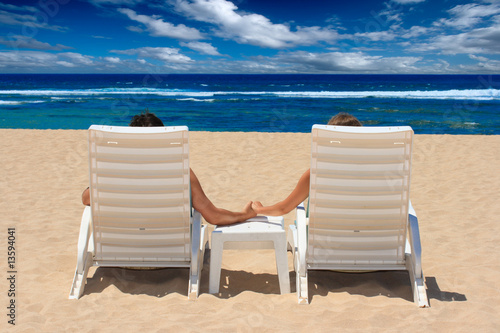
{"type": "Point", "coordinates": [454, 190]}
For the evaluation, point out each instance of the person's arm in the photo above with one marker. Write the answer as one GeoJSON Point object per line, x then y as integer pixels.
{"type": "Point", "coordinates": [86, 197]}
{"type": "Point", "coordinates": [298, 195]}
{"type": "Point", "coordinates": [213, 214]}
{"type": "Point", "coordinates": [201, 203]}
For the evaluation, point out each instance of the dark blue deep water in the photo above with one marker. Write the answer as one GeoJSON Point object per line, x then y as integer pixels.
{"type": "Point", "coordinates": [441, 104]}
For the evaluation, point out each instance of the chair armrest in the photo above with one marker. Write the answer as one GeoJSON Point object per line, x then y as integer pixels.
{"type": "Point", "coordinates": [84, 239]}
{"type": "Point", "coordinates": [301, 221]}
{"type": "Point", "coordinates": [414, 240]}
{"type": "Point", "coordinates": [195, 241]}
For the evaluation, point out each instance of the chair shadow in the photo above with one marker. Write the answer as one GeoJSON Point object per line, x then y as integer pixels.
{"type": "Point", "coordinates": [157, 282]}
{"type": "Point", "coordinates": [434, 292]}
{"type": "Point", "coordinates": [153, 282]}
{"type": "Point", "coordinates": [392, 284]}
{"type": "Point", "coordinates": [163, 281]}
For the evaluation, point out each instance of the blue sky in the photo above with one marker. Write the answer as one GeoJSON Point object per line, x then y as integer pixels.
{"type": "Point", "coordinates": [250, 36]}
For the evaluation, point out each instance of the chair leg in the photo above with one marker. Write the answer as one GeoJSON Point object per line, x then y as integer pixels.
{"type": "Point", "coordinates": [301, 284]}
{"type": "Point", "coordinates": [198, 251]}
{"type": "Point", "coordinates": [420, 293]}
{"type": "Point", "coordinates": [417, 285]}
{"type": "Point", "coordinates": [215, 263]}
{"type": "Point", "coordinates": [414, 260]}
{"type": "Point", "coordinates": [80, 278]}
{"type": "Point", "coordinates": [282, 264]}
{"type": "Point", "coordinates": [292, 243]}
{"type": "Point", "coordinates": [194, 283]}
{"type": "Point", "coordinates": [194, 286]}
{"type": "Point", "coordinates": [302, 289]}
{"type": "Point", "coordinates": [84, 255]}
{"type": "Point", "coordinates": [301, 281]}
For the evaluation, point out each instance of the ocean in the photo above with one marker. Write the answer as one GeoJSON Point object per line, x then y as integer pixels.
{"type": "Point", "coordinates": [430, 104]}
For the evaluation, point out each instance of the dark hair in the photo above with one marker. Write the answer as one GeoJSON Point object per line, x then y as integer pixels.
{"type": "Point", "coordinates": [344, 119]}
{"type": "Point", "coordinates": [146, 119]}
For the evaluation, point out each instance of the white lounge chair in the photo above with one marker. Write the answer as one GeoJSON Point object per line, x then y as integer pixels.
{"type": "Point", "coordinates": [140, 213]}
{"type": "Point", "coordinates": [360, 217]}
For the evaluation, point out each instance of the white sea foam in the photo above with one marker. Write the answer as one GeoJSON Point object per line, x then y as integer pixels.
{"type": "Point", "coordinates": [71, 99]}
{"type": "Point", "coordinates": [476, 94]}
{"type": "Point", "coordinates": [20, 102]}
{"type": "Point", "coordinates": [10, 102]}
{"type": "Point", "coordinates": [196, 99]}
{"type": "Point", "coordinates": [473, 94]}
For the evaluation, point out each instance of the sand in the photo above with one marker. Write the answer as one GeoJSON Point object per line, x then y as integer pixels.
{"type": "Point", "coordinates": [454, 191]}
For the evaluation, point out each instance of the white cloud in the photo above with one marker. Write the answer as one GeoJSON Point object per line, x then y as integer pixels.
{"type": "Point", "coordinates": [40, 61]}
{"type": "Point", "coordinates": [18, 8]}
{"type": "Point", "coordinates": [101, 37]}
{"type": "Point", "coordinates": [135, 29]}
{"type": "Point", "coordinates": [159, 28]}
{"type": "Point", "coordinates": [45, 62]}
{"type": "Point", "coordinates": [389, 14]}
{"type": "Point", "coordinates": [415, 31]}
{"type": "Point", "coordinates": [469, 15]}
{"type": "Point", "coordinates": [65, 64]}
{"type": "Point", "coordinates": [204, 48]}
{"type": "Point", "coordinates": [251, 29]}
{"type": "Point", "coordinates": [165, 54]}
{"type": "Point", "coordinates": [349, 62]}
{"type": "Point", "coordinates": [478, 41]}
{"type": "Point", "coordinates": [113, 60]}
{"type": "Point", "coordinates": [478, 58]}
{"type": "Point", "coordinates": [321, 62]}
{"type": "Point", "coordinates": [27, 59]}
{"type": "Point", "coordinates": [23, 42]}
{"type": "Point", "coordinates": [77, 58]}
{"type": "Point", "coordinates": [294, 62]}
{"type": "Point", "coordinates": [27, 21]}
{"type": "Point", "coordinates": [377, 35]}
{"type": "Point", "coordinates": [486, 63]}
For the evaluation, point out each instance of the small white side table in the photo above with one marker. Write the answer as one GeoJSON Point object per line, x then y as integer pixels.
{"type": "Point", "coordinates": [261, 232]}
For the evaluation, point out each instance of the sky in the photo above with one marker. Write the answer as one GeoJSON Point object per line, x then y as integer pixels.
{"type": "Point", "coordinates": [250, 36]}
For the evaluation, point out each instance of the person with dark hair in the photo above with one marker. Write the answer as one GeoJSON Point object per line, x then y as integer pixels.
{"type": "Point", "coordinates": [146, 119]}
{"type": "Point", "coordinates": [301, 190]}
{"type": "Point", "coordinates": [200, 201]}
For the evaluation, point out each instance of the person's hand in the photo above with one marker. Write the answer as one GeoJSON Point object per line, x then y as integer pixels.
{"type": "Point", "coordinates": [256, 205]}
{"type": "Point", "coordinates": [249, 210]}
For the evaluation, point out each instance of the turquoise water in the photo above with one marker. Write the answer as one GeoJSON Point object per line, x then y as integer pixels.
{"type": "Point", "coordinates": [441, 104]}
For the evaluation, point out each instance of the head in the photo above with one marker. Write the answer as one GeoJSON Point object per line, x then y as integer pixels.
{"type": "Point", "coordinates": [344, 119]}
{"type": "Point", "coordinates": [146, 119]}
